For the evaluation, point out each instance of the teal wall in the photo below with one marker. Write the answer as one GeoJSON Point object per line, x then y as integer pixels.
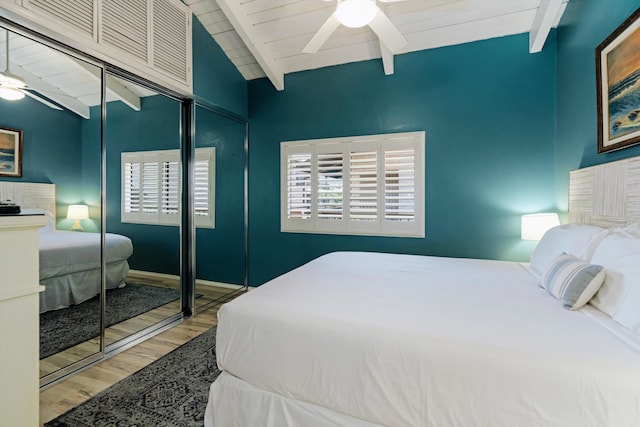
{"type": "Point", "coordinates": [215, 78]}
{"type": "Point", "coordinates": [585, 24]}
{"type": "Point", "coordinates": [488, 109]}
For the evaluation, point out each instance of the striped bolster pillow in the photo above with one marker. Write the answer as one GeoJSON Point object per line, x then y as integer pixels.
{"type": "Point", "coordinates": [572, 281]}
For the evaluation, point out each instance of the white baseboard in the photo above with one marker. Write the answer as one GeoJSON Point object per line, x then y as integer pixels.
{"type": "Point", "coordinates": [202, 282]}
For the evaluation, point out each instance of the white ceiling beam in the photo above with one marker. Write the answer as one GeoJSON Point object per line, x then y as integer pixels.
{"type": "Point", "coordinates": [245, 29]}
{"type": "Point", "coordinates": [114, 87]}
{"type": "Point", "coordinates": [542, 23]}
{"type": "Point", "coordinates": [52, 92]}
{"type": "Point", "coordinates": [387, 59]}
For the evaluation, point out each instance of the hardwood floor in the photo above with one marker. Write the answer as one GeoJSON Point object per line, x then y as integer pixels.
{"type": "Point", "coordinates": [80, 387]}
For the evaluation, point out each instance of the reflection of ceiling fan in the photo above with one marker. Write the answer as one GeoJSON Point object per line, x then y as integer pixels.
{"type": "Point", "coordinates": [13, 87]}
{"type": "Point", "coordinates": [355, 14]}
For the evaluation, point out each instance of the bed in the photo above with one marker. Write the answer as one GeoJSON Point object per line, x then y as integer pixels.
{"type": "Point", "coordinates": [370, 339]}
{"type": "Point", "coordinates": [69, 261]}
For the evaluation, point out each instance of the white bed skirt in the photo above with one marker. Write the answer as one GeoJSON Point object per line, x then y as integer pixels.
{"type": "Point", "coordinates": [64, 291]}
{"type": "Point", "coordinates": [235, 403]}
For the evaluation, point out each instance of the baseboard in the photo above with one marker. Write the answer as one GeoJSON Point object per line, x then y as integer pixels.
{"type": "Point", "coordinates": [202, 282]}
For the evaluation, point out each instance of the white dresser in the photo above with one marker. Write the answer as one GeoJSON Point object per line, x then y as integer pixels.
{"type": "Point", "coordinates": [19, 320]}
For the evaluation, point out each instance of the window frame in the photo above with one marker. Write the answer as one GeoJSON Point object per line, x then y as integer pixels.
{"type": "Point", "coordinates": [158, 217]}
{"type": "Point", "coordinates": [378, 225]}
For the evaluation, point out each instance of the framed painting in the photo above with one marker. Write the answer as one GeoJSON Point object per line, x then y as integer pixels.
{"type": "Point", "coordinates": [10, 152]}
{"type": "Point", "coordinates": [618, 86]}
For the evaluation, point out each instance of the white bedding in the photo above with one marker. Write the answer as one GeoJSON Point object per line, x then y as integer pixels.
{"type": "Point", "coordinates": [70, 266]}
{"type": "Point", "coordinates": [401, 340]}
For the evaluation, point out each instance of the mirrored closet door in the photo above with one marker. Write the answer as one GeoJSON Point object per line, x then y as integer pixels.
{"type": "Point", "coordinates": [143, 135]}
{"type": "Point", "coordinates": [219, 205]}
{"type": "Point", "coordinates": [52, 100]}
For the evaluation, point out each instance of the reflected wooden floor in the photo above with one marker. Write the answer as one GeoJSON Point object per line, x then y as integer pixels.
{"type": "Point", "coordinates": [67, 394]}
{"type": "Point", "coordinates": [129, 327]}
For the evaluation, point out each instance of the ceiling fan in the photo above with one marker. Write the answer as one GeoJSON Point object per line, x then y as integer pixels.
{"type": "Point", "coordinates": [355, 14]}
{"type": "Point", "coordinates": [13, 87]}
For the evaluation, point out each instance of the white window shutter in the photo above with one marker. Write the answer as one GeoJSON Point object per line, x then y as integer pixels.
{"type": "Point", "coordinates": [131, 186]}
{"type": "Point", "coordinates": [204, 187]}
{"type": "Point", "coordinates": [170, 205]}
{"type": "Point", "coordinates": [297, 185]}
{"type": "Point", "coordinates": [370, 185]}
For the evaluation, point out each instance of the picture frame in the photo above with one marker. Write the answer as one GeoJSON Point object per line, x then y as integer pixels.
{"type": "Point", "coordinates": [10, 152]}
{"type": "Point", "coordinates": [618, 87]}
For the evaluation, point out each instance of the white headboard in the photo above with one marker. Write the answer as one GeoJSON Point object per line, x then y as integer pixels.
{"type": "Point", "coordinates": [607, 195]}
{"type": "Point", "coordinates": [30, 195]}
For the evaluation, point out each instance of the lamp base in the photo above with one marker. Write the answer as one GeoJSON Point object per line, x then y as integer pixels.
{"type": "Point", "coordinates": [76, 226]}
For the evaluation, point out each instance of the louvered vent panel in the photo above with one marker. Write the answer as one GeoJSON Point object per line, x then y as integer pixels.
{"type": "Point", "coordinates": [399, 185]}
{"type": "Point", "coordinates": [201, 188]}
{"type": "Point", "coordinates": [169, 39]}
{"type": "Point", "coordinates": [124, 26]}
{"type": "Point", "coordinates": [363, 203]}
{"type": "Point", "coordinates": [299, 186]}
{"type": "Point", "coordinates": [330, 186]}
{"type": "Point", "coordinates": [77, 14]}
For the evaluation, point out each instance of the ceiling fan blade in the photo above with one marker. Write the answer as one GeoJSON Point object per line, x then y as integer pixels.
{"type": "Point", "coordinates": [323, 34]}
{"type": "Point", "coordinates": [387, 32]}
{"type": "Point", "coordinates": [44, 101]}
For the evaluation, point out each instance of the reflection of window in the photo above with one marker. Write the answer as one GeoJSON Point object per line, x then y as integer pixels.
{"type": "Point", "coordinates": [151, 187]}
{"type": "Point", "coordinates": [369, 185]}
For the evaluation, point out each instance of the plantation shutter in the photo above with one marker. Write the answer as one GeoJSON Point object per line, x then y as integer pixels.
{"type": "Point", "coordinates": [298, 185]}
{"type": "Point", "coordinates": [204, 184]}
{"type": "Point", "coordinates": [124, 26]}
{"type": "Point", "coordinates": [150, 184]}
{"type": "Point", "coordinates": [372, 185]}
{"type": "Point", "coordinates": [170, 188]}
{"type": "Point", "coordinates": [131, 187]}
{"type": "Point", "coordinates": [363, 200]}
{"type": "Point", "coordinates": [399, 185]}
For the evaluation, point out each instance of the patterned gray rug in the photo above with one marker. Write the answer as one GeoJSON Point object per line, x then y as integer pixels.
{"type": "Point", "coordinates": [61, 329]}
{"type": "Point", "coordinates": [170, 392]}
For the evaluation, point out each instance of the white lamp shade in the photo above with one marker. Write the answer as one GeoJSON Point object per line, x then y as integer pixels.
{"type": "Point", "coordinates": [356, 13]}
{"type": "Point", "coordinates": [534, 226]}
{"type": "Point", "coordinates": [78, 212]}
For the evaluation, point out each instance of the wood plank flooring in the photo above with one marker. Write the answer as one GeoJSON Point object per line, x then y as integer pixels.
{"type": "Point", "coordinates": [71, 392]}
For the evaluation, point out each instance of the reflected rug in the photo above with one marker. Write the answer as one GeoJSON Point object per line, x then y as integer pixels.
{"type": "Point", "coordinates": [64, 328]}
{"type": "Point", "coordinates": [170, 392]}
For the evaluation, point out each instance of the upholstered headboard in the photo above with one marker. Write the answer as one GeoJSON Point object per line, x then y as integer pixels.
{"type": "Point", "coordinates": [30, 195]}
{"type": "Point", "coordinates": [607, 195]}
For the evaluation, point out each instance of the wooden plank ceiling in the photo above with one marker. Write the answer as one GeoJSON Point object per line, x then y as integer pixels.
{"type": "Point", "coordinates": [266, 37]}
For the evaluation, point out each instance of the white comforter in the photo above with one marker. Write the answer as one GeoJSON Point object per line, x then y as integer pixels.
{"type": "Point", "coordinates": [64, 252]}
{"type": "Point", "coordinates": [402, 340]}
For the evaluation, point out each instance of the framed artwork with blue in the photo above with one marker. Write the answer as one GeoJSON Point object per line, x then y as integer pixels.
{"type": "Point", "coordinates": [10, 152]}
{"type": "Point", "coordinates": [618, 86]}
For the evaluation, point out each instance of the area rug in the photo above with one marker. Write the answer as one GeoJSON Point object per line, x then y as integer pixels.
{"type": "Point", "coordinates": [61, 329]}
{"type": "Point", "coordinates": [170, 392]}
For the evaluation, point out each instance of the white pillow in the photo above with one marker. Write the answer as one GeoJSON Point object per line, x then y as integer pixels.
{"type": "Point", "coordinates": [619, 254]}
{"type": "Point", "coordinates": [572, 281]}
{"type": "Point", "coordinates": [579, 240]}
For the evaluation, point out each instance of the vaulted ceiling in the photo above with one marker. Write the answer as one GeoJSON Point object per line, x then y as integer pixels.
{"type": "Point", "coordinates": [266, 37]}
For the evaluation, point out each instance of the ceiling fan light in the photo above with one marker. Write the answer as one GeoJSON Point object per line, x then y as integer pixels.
{"type": "Point", "coordinates": [10, 94]}
{"type": "Point", "coordinates": [356, 13]}
{"type": "Point", "coordinates": [12, 80]}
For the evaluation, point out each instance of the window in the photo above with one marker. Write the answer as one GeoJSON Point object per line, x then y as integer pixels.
{"type": "Point", "coordinates": [151, 187]}
{"type": "Point", "coordinates": [368, 185]}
